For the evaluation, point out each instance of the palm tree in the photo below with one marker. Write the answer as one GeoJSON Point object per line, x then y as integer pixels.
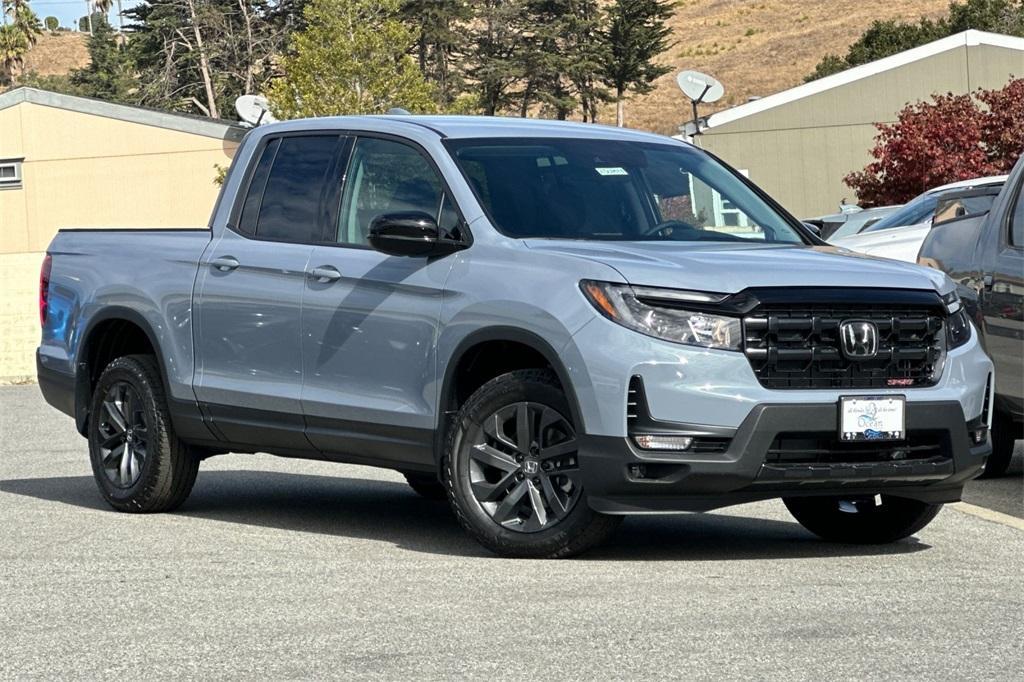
{"type": "Point", "coordinates": [23, 19]}
{"type": "Point", "coordinates": [103, 6]}
{"type": "Point", "coordinates": [13, 46]}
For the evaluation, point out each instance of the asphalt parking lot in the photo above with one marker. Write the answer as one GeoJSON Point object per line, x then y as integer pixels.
{"type": "Point", "coordinates": [289, 569]}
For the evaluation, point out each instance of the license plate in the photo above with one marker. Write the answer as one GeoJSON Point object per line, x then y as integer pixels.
{"type": "Point", "coordinates": [872, 418]}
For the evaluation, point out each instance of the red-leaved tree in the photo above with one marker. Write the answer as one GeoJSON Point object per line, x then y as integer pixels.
{"type": "Point", "coordinates": [951, 138]}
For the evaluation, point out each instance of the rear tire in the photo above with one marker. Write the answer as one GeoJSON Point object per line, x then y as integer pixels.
{"type": "Point", "coordinates": [512, 470]}
{"type": "Point", "coordinates": [1004, 437]}
{"type": "Point", "coordinates": [858, 520]}
{"type": "Point", "coordinates": [426, 486]}
{"type": "Point", "coordinates": [138, 462]}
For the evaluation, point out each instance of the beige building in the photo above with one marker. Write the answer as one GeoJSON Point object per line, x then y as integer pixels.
{"type": "Point", "coordinates": [799, 144]}
{"type": "Point", "coordinates": [76, 162]}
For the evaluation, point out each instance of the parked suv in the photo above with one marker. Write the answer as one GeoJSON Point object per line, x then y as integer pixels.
{"type": "Point", "coordinates": [552, 324]}
{"type": "Point", "coordinates": [985, 256]}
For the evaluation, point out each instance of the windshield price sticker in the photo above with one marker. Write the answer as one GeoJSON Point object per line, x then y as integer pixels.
{"type": "Point", "coordinates": [872, 418]}
{"type": "Point", "coordinates": [611, 171]}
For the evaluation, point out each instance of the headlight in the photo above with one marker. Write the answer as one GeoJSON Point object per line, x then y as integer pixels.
{"type": "Point", "coordinates": [958, 329]}
{"type": "Point", "coordinates": [952, 302]}
{"type": "Point", "coordinates": [671, 322]}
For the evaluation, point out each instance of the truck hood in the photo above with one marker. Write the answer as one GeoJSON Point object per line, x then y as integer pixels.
{"type": "Point", "coordinates": [730, 268]}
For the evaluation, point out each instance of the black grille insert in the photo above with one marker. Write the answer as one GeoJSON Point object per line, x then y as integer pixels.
{"type": "Point", "coordinates": [827, 448]}
{"type": "Point", "coordinates": [800, 347]}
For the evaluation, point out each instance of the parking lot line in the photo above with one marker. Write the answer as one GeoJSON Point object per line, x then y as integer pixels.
{"type": "Point", "coordinates": [989, 515]}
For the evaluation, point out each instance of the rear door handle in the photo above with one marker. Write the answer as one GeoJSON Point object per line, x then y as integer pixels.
{"type": "Point", "coordinates": [224, 263]}
{"type": "Point", "coordinates": [325, 273]}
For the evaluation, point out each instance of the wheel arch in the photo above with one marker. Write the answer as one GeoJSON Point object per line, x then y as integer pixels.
{"type": "Point", "coordinates": [491, 337]}
{"type": "Point", "coordinates": [91, 352]}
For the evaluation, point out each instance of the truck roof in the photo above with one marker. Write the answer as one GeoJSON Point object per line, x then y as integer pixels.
{"type": "Point", "coordinates": [462, 127]}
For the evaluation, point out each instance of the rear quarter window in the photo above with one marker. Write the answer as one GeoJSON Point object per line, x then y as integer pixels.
{"type": "Point", "coordinates": [297, 181]}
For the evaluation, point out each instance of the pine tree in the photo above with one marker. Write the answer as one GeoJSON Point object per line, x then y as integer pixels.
{"type": "Point", "coordinates": [495, 62]}
{"type": "Point", "coordinates": [440, 43]}
{"type": "Point", "coordinates": [561, 57]}
{"type": "Point", "coordinates": [110, 74]}
{"type": "Point", "coordinates": [635, 35]}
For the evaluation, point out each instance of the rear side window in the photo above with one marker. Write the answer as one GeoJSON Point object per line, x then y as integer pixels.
{"type": "Point", "coordinates": [251, 206]}
{"type": "Point", "coordinates": [298, 181]}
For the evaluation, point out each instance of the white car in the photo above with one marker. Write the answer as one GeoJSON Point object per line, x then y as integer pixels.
{"type": "Point", "coordinates": [900, 234]}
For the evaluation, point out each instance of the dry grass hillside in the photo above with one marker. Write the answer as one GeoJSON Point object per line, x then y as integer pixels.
{"type": "Point", "coordinates": [758, 47]}
{"type": "Point", "coordinates": [57, 53]}
{"type": "Point", "coordinates": [755, 47]}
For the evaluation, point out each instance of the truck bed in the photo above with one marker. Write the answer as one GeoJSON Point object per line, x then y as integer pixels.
{"type": "Point", "coordinates": [146, 274]}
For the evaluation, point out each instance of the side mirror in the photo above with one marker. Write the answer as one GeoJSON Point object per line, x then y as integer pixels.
{"type": "Point", "coordinates": [410, 233]}
{"type": "Point", "coordinates": [813, 228]}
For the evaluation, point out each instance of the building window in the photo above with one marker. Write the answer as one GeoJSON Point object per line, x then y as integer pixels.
{"type": "Point", "coordinates": [10, 173]}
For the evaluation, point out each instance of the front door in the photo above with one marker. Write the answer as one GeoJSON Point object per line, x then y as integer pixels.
{"type": "Point", "coordinates": [370, 321]}
{"type": "Point", "coordinates": [1002, 303]}
{"type": "Point", "coordinates": [249, 296]}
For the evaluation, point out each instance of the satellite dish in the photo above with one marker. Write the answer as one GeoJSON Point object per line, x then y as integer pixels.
{"type": "Point", "coordinates": [700, 87]}
{"type": "Point", "coordinates": [254, 110]}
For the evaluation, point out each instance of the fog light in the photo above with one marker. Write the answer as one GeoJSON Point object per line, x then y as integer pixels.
{"type": "Point", "coordinates": [655, 442]}
{"type": "Point", "coordinates": [979, 436]}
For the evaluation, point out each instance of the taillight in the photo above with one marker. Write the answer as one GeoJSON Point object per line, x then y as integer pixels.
{"type": "Point", "coordinates": [44, 288]}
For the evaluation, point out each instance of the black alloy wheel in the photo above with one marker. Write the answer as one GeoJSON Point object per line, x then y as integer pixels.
{"type": "Point", "coordinates": [513, 474]}
{"type": "Point", "coordinates": [124, 434]}
{"type": "Point", "coordinates": [523, 467]}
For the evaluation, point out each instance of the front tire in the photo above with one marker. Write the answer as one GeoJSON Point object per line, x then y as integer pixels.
{"type": "Point", "coordinates": [512, 470]}
{"type": "Point", "coordinates": [137, 460]}
{"type": "Point", "coordinates": [426, 485]}
{"type": "Point", "coordinates": [1004, 436]}
{"type": "Point", "coordinates": [859, 520]}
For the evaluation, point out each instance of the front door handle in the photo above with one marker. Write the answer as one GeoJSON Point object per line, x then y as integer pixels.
{"type": "Point", "coordinates": [325, 273]}
{"type": "Point", "coordinates": [224, 263]}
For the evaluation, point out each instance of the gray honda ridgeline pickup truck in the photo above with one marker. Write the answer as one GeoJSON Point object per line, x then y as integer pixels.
{"type": "Point", "coordinates": [553, 325]}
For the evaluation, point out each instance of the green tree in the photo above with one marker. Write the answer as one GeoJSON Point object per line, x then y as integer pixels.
{"type": "Point", "coordinates": [198, 56]}
{"type": "Point", "coordinates": [496, 60]}
{"type": "Point", "coordinates": [440, 43]}
{"type": "Point", "coordinates": [110, 74]}
{"type": "Point", "coordinates": [352, 58]}
{"type": "Point", "coordinates": [23, 19]}
{"type": "Point", "coordinates": [13, 46]}
{"type": "Point", "coordinates": [885, 38]}
{"type": "Point", "coordinates": [635, 34]}
{"type": "Point", "coordinates": [52, 24]}
{"type": "Point", "coordinates": [561, 58]}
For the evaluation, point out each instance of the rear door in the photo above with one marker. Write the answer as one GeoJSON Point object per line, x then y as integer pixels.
{"type": "Point", "coordinates": [370, 321]}
{"type": "Point", "coordinates": [249, 293]}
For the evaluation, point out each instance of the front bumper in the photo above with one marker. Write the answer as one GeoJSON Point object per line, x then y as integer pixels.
{"type": "Point", "coordinates": [622, 479]}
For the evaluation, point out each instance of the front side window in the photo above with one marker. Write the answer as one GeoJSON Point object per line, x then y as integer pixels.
{"type": "Point", "coordinates": [916, 212]}
{"type": "Point", "coordinates": [384, 177]}
{"type": "Point", "coordinates": [614, 190]}
{"type": "Point", "coordinates": [296, 188]}
{"type": "Point", "coordinates": [951, 208]}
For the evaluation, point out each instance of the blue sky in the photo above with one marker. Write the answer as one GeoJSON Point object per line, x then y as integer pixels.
{"type": "Point", "coordinates": [69, 11]}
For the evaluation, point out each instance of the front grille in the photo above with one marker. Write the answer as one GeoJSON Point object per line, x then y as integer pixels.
{"type": "Point", "coordinates": [827, 448]}
{"type": "Point", "coordinates": [794, 347]}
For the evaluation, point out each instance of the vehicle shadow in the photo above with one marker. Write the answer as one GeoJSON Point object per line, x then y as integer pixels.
{"type": "Point", "coordinates": [392, 512]}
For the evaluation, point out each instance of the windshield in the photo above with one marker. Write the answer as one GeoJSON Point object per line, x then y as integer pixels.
{"type": "Point", "coordinates": [914, 213]}
{"type": "Point", "coordinates": [614, 190]}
